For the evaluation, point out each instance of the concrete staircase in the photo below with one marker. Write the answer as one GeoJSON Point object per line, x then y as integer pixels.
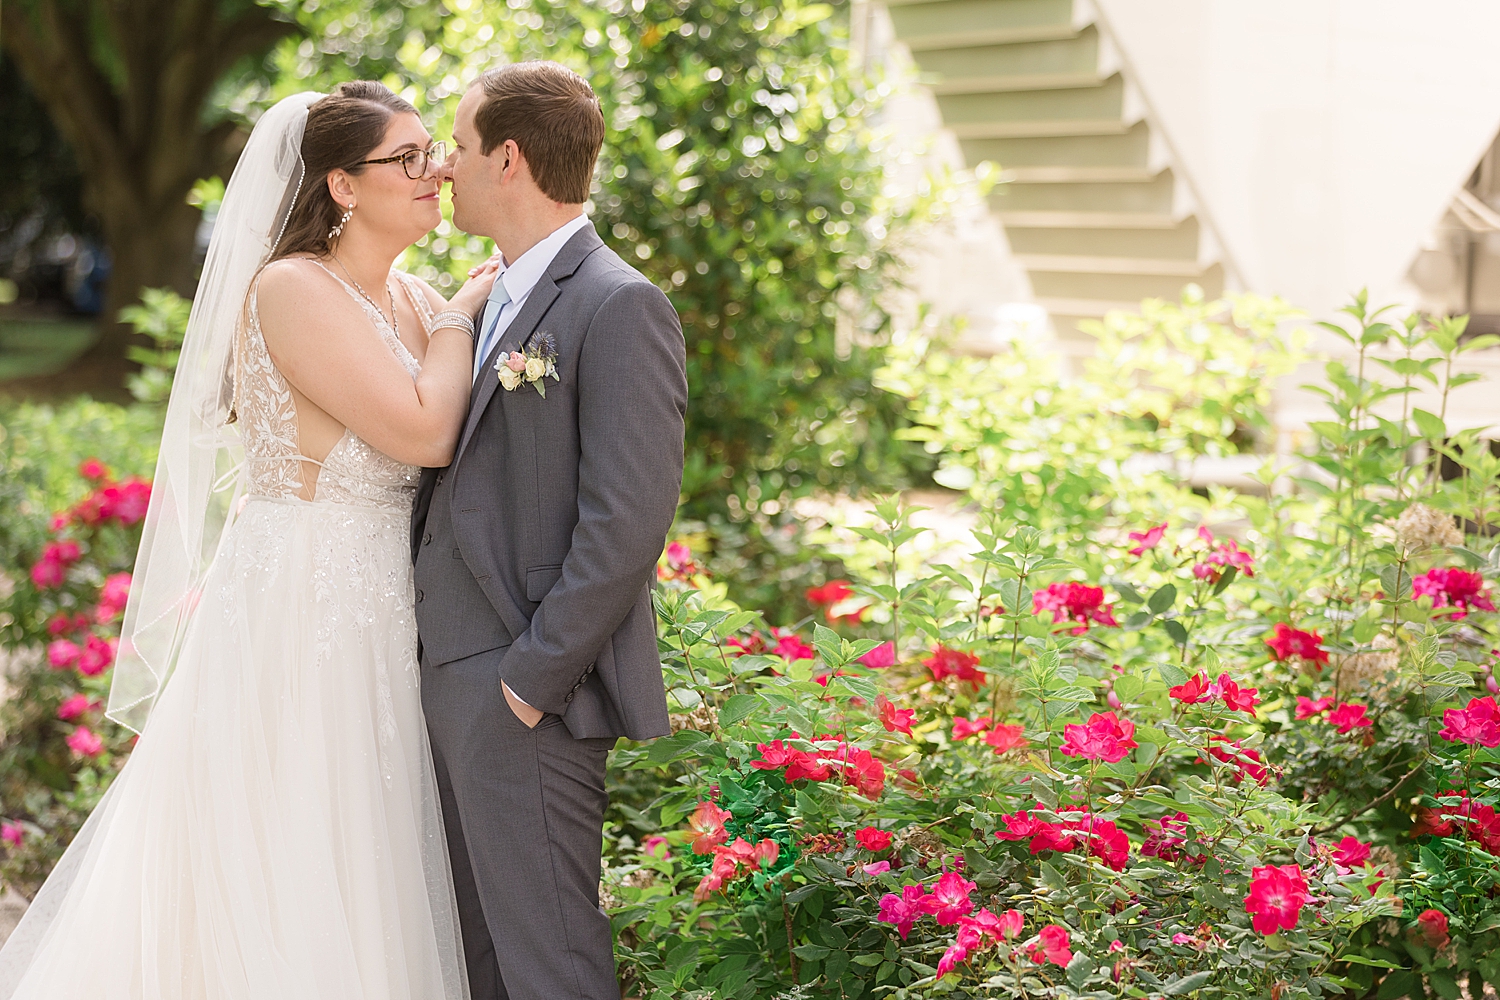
{"type": "Point", "coordinates": [1089, 202]}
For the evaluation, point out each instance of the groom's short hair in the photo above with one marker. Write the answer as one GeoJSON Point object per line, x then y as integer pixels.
{"type": "Point", "coordinates": [553, 115]}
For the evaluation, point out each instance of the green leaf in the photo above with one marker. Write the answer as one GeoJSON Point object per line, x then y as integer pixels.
{"type": "Point", "coordinates": [739, 707]}
{"type": "Point", "coordinates": [1175, 630]}
{"type": "Point", "coordinates": [810, 952]}
{"type": "Point", "coordinates": [1163, 599]}
{"type": "Point", "coordinates": [1429, 425]}
{"type": "Point", "coordinates": [1451, 678]}
{"type": "Point", "coordinates": [1172, 674]}
{"type": "Point", "coordinates": [1188, 984]}
{"type": "Point", "coordinates": [1374, 963]}
{"type": "Point", "coordinates": [1226, 579]}
{"type": "Point", "coordinates": [828, 643]}
{"type": "Point", "coordinates": [1079, 969]}
{"type": "Point", "coordinates": [800, 894]}
{"type": "Point", "coordinates": [1366, 629]}
{"type": "Point", "coordinates": [1443, 984]}
{"type": "Point", "coordinates": [1401, 983]}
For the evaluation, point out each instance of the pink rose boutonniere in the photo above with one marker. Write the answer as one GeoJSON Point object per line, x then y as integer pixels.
{"type": "Point", "coordinates": [530, 367]}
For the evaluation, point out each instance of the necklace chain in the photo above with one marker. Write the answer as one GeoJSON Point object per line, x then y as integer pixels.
{"type": "Point", "coordinates": [395, 320]}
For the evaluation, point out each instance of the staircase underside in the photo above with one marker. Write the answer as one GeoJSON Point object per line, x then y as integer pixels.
{"type": "Point", "coordinates": [1086, 210]}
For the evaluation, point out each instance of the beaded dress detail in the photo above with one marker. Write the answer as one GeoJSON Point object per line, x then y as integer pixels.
{"type": "Point", "coordinates": [353, 472]}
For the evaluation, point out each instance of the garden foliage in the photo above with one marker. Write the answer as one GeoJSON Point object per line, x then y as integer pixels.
{"type": "Point", "coordinates": [1128, 740]}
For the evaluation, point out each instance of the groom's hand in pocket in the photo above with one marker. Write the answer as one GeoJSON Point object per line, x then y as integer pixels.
{"type": "Point", "coordinates": [529, 716]}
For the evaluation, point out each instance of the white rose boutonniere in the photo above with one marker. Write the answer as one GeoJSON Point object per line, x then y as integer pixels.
{"type": "Point", "coordinates": [537, 363]}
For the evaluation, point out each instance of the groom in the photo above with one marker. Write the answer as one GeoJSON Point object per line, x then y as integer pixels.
{"type": "Point", "coordinates": [535, 550]}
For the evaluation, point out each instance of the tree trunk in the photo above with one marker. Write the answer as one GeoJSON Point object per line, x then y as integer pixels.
{"type": "Point", "coordinates": [151, 252]}
{"type": "Point", "coordinates": [128, 82]}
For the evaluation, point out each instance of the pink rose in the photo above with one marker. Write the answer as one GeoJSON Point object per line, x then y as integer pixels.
{"type": "Point", "coordinates": [96, 656]}
{"type": "Point", "coordinates": [84, 742]}
{"type": "Point", "coordinates": [62, 654]}
{"type": "Point", "coordinates": [12, 833]}
{"type": "Point", "coordinates": [516, 362]}
{"type": "Point", "coordinates": [72, 708]}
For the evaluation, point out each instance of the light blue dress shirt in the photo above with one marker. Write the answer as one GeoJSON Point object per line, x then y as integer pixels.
{"type": "Point", "coordinates": [513, 286]}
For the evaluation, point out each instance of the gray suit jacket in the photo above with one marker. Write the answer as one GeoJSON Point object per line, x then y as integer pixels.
{"type": "Point", "coordinates": [542, 536]}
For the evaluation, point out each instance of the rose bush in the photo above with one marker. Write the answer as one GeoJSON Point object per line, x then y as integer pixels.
{"type": "Point", "coordinates": [1126, 741]}
{"type": "Point", "coordinates": [69, 530]}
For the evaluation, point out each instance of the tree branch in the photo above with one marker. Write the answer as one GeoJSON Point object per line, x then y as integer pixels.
{"type": "Point", "coordinates": [1369, 805]}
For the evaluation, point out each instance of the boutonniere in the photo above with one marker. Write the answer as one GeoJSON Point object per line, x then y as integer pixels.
{"type": "Point", "coordinates": [530, 367]}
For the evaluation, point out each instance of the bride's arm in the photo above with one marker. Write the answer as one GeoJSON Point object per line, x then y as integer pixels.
{"type": "Point", "coordinates": [323, 344]}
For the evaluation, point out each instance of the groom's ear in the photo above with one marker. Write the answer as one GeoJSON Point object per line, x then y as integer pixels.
{"type": "Point", "coordinates": [509, 162]}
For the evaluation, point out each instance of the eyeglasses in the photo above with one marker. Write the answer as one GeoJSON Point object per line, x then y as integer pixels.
{"type": "Point", "coordinates": [416, 162]}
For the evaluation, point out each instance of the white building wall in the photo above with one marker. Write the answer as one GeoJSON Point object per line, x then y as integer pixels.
{"type": "Point", "coordinates": [1325, 136]}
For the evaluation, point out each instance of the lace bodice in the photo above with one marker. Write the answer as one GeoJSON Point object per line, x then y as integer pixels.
{"type": "Point", "coordinates": [353, 472]}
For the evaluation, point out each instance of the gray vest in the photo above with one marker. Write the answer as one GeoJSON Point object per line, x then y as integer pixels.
{"type": "Point", "coordinates": [463, 622]}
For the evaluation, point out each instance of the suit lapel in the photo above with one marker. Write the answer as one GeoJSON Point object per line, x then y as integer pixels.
{"type": "Point", "coordinates": [573, 253]}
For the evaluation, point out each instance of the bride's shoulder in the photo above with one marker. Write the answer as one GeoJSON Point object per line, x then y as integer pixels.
{"type": "Point", "coordinates": [290, 276]}
{"type": "Point", "coordinates": [295, 294]}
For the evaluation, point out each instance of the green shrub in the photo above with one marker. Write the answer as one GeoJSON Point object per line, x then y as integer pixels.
{"type": "Point", "coordinates": [69, 528]}
{"type": "Point", "coordinates": [1287, 664]}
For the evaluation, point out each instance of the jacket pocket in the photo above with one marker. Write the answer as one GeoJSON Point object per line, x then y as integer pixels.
{"type": "Point", "coordinates": [540, 580]}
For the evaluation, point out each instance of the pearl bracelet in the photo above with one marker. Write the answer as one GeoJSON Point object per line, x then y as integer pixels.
{"type": "Point", "coordinates": [455, 319]}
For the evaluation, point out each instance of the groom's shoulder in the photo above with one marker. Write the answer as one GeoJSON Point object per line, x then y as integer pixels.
{"type": "Point", "coordinates": [608, 268]}
{"type": "Point", "coordinates": [605, 274]}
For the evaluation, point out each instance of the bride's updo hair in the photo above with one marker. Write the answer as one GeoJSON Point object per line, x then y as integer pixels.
{"type": "Point", "coordinates": [343, 129]}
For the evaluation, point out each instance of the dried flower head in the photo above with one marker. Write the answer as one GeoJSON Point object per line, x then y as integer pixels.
{"type": "Point", "coordinates": [1421, 527]}
{"type": "Point", "coordinates": [703, 718]}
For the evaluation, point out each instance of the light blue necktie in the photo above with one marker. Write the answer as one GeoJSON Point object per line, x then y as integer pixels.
{"type": "Point", "coordinates": [498, 300]}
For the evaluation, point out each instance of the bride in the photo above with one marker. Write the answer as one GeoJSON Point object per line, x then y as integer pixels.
{"type": "Point", "coordinates": [276, 832]}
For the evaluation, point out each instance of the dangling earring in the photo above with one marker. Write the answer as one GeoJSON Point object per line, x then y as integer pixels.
{"type": "Point", "coordinates": [338, 230]}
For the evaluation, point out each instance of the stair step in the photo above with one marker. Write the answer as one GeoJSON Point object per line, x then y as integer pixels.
{"type": "Point", "coordinates": [1088, 220]}
{"type": "Point", "coordinates": [1097, 101]}
{"type": "Point", "coordinates": [1001, 84]}
{"type": "Point", "coordinates": [1013, 66]}
{"type": "Point", "coordinates": [1079, 175]}
{"type": "Point", "coordinates": [1153, 195]}
{"type": "Point", "coordinates": [1081, 264]}
{"type": "Point", "coordinates": [1040, 129]}
{"type": "Point", "coordinates": [938, 24]}
{"type": "Point", "coordinates": [1178, 242]}
{"type": "Point", "coordinates": [1099, 286]}
{"type": "Point", "coordinates": [1120, 147]}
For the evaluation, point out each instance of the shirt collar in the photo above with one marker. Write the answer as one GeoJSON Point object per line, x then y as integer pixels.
{"type": "Point", "coordinates": [521, 277]}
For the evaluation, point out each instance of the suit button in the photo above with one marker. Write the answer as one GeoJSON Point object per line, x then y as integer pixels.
{"type": "Point", "coordinates": [426, 537]}
{"type": "Point", "coordinates": [440, 479]}
{"type": "Point", "coordinates": [589, 670]}
{"type": "Point", "coordinates": [419, 597]}
{"type": "Point", "coordinates": [568, 696]}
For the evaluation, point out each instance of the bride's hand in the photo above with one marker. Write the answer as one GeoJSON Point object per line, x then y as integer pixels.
{"type": "Point", "coordinates": [471, 297]}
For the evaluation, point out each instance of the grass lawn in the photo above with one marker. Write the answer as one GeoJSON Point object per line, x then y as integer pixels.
{"type": "Point", "coordinates": [35, 347]}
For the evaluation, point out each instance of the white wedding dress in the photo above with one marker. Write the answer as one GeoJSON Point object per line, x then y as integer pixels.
{"type": "Point", "coordinates": [276, 833]}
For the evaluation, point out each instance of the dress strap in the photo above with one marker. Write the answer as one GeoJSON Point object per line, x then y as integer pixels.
{"type": "Point", "coordinates": [418, 301]}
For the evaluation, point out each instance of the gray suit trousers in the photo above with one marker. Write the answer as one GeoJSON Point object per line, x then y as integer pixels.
{"type": "Point", "coordinates": [524, 811]}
